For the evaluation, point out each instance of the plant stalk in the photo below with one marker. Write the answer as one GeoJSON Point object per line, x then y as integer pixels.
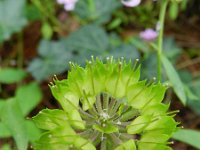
{"type": "Point", "coordinates": [160, 38]}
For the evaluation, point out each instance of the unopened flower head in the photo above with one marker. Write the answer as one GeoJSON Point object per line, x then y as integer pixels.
{"type": "Point", "coordinates": [148, 34]}
{"type": "Point", "coordinates": [106, 105]}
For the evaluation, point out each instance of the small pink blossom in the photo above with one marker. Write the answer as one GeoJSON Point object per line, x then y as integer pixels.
{"type": "Point", "coordinates": [69, 5]}
{"type": "Point", "coordinates": [131, 3]}
{"type": "Point", "coordinates": [148, 35]}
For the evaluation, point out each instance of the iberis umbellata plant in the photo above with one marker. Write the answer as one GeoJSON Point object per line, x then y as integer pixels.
{"type": "Point", "coordinates": [106, 106]}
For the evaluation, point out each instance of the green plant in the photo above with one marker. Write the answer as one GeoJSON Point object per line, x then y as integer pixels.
{"type": "Point", "coordinates": [106, 104]}
{"type": "Point", "coordinates": [13, 110]}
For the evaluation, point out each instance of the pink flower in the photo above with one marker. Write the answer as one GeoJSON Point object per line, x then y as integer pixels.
{"type": "Point", "coordinates": [131, 3]}
{"type": "Point", "coordinates": [148, 35]}
{"type": "Point", "coordinates": [69, 5]}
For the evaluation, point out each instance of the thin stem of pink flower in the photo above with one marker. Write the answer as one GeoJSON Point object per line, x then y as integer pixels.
{"type": "Point", "coordinates": [160, 38]}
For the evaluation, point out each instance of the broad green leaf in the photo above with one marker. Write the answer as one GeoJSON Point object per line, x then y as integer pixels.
{"type": "Point", "coordinates": [28, 96]}
{"type": "Point", "coordinates": [11, 75]}
{"type": "Point", "coordinates": [33, 133]}
{"type": "Point", "coordinates": [54, 58]}
{"type": "Point", "coordinates": [88, 39]}
{"type": "Point", "coordinates": [174, 79]}
{"type": "Point", "coordinates": [4, 131]}
{"type": "Point", "coordinates": [188, 136]}
{"type": "Point", "coordinates": [12, 18]}
{"type": "Point", "coordinates": [13, 119]}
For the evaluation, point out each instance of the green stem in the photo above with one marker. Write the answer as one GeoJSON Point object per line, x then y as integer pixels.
{"type": "Point", "coordinates": [45, 12]}
{"type": "Point", "coordinates": [1, 49]}
{"type": "Point", "coordinates": [160, 38]}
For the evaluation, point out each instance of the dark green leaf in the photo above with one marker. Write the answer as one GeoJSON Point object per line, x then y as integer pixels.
{"type": "Point", "coordinates": [95, 10]}
{"type": "Point", "coordinates": [11, 75]}
{"type": "Point", "coordinates": [12, 18]}
{"type": "Point", "coordinates": [54, 58]}
{"type": "Point", "coordinates": [91, 37]}
{"type": "Point", "coordinates": [78, 46]}
{"type": "Point", "coordinates": [185, 76]}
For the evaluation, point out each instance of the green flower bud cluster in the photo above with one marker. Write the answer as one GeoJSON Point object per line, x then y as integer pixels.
{"type": "Point", "coordinates": [106, 106]}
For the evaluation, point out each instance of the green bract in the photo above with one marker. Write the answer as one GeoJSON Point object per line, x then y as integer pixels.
{"type": "Point", "coordinates": [105, 106]}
